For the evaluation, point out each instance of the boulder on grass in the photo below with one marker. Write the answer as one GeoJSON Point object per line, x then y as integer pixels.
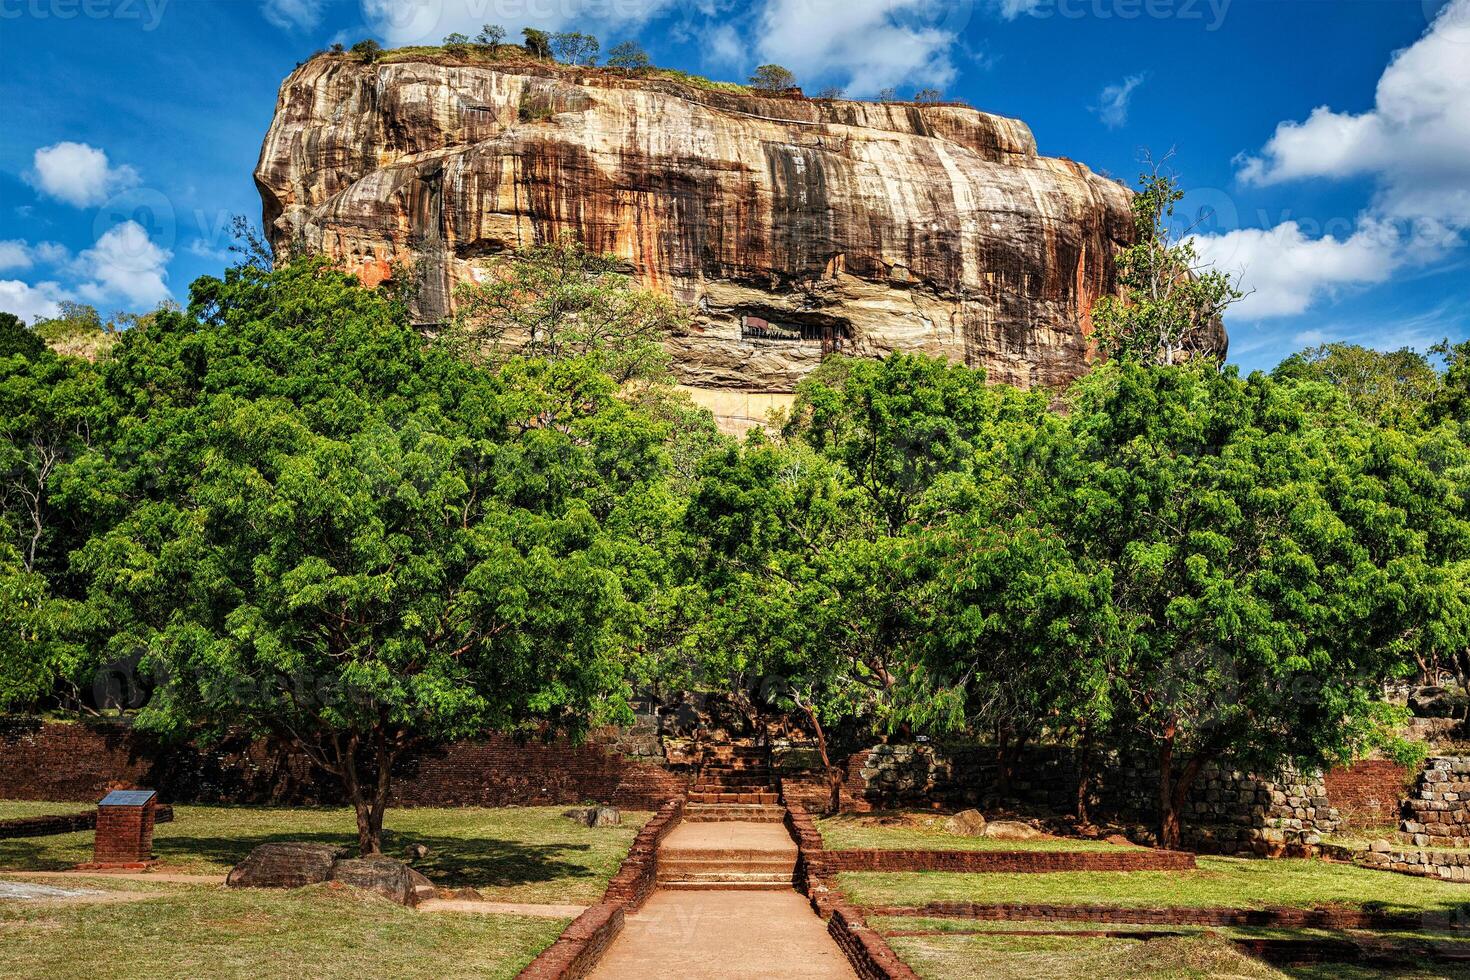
{"type": "Point", "coordinates": [384, 876]}
{"type": "Point", "coordinates": [285, 865]}
{"type": "Point", "coordinates": [1011, 830]}
{"type": "Point", "coordinates": [595, 816]}
{"type": "Point", "coordinates": [966, 823]}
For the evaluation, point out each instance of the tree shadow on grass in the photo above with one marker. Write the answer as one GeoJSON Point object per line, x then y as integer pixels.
{"type": "Point", "coordinates": [452, 861]}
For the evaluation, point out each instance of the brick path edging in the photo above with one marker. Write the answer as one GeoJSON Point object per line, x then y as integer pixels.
{"type": "Point", "coordinates": [70, 823]}
{"type": "Point", "coordinates": [1281, 917]}
{"type": "Point", "coordinates": [637, 876]}
{"type": "Point", "coordinates": [1015, 862]}
{"type": "Point", "coordinates": [868, 952]}
{"type": "Point", "coordinates": [580, 946]}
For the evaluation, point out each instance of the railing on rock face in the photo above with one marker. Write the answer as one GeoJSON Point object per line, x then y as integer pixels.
{"type": "Point", "coordinates": [828, 336]}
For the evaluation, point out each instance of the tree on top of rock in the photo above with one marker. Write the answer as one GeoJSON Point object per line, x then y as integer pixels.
{"type": "Point", "coordinates": [538, 43]}
{"type": "Point", "coordinates": [772, 78]}
{"type": "Point", "coordinates": [576, 48]}
{"type": "Point", "coordinates": [628, 56]}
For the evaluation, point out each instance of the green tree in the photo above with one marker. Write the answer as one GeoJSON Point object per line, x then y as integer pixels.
{"type": "Point", "coordinates": [17, 338]}
{"type": "Point", "coordinates": [811, 546]}
{"type": "Point", "coordinates": [1267, 564]}
{"type": "Point", "coordinates": [561, 300]}
{"type": "Point", "coordinates": [629, 57]}
{"type": "Point", "coordinates": [1390, 388]}
{"type": "Point", "coordinates": [1452, 400]}
{"type": "Point", "coordinates": [538, 43]}
{"type": "Point", "coordinates": [576, 48]}
{"type": "Point", "coordinates": [928, 96]}
{"type": "Point", "coordinates": [333, 530]}
{"type": "Point", "coordinates": [1170, 303]}
{"type": "Point", "coordinates": [772, 78]}
{"type": "Point", "coordinates": [491, 36]}
{"type": "Point", "coordinates": [368, 50]}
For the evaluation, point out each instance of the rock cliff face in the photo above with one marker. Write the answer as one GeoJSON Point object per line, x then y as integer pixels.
{"type": "Point", "coordinates": [793, 227]}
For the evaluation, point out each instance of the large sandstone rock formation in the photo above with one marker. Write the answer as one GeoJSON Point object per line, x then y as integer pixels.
{"type": "Point", "coordinates": [792, 226]}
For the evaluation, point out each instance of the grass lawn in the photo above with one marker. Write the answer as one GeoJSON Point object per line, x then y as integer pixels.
{"type": "Point", "coordinates": [216, 932]}
{"type": "Point", "coordinates": [1048, 957]}
{"type": "Point", "coordinates": [513, 854]}
{"type": "Point", "coordinates": [1234, 882]}
{"type": "Point", "coordinates": [15, 809]}
{"type": "Point", "coordinates": [858, 831]}
{"type": "Point", "coordinates": [1057, 957]}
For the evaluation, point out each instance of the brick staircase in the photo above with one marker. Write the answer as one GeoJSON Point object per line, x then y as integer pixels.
{"type": "Point", "coordinates": [735, 783]}
{"type": "Point", "coordinates": [726, 869]}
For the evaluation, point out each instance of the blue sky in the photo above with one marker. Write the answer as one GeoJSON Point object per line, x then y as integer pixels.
{"type": "Point", "coordinates": [1328, 141]}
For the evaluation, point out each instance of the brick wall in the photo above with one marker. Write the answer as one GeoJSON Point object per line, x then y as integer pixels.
{"type": "Point", "coordinates": [1015, 862]}
{"type": "Point", "coordinates": [124, 835]}
{"type": "Point", "coordinates": [81, 762]}
{"type": "Point", "coordinates": [1369, 793]}
{"type": "Point", "coordinates": [1278, 917]}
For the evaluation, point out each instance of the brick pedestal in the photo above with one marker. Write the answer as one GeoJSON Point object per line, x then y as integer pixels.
{"type": "Point", "coordinates": [125, 829]}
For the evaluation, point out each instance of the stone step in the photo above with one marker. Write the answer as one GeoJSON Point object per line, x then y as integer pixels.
{"type": "Point", "coordinates": [715, 859]}
{"type": "Point", "coordinates": [770, 797]}
{"type": "Point", "coordinates": [727, 886]}
{"type": "Point", "coordinates": [727, 876]}
{"type": "Point", "coordinates": [755, 813]}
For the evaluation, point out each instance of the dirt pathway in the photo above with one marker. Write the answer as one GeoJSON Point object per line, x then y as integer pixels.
{"type": "Point", "coordinates": [697, 928]}
{"type": "Point", "coordinates": [720, 935]}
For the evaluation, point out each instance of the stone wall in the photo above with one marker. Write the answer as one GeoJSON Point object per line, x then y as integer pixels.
{"type": "Point", "coordinates": [1233, 812]}
{"type": "Point", "coordinates": [52, 761]}
{"type": "Point", "coordinates": [1227, 811]}
{"type": "Point", "coordinates": [1437, 813]}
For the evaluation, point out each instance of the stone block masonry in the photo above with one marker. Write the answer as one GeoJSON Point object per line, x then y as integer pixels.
{"type": "Point", "coordinates": [1437, 812]}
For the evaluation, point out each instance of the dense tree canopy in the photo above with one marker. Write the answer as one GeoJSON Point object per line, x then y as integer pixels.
{"type": "Point", "coordinates": [302, 516]}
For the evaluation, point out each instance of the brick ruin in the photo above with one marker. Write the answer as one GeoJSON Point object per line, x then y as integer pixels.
{"type": "Point", "coordinates": [638, 768]}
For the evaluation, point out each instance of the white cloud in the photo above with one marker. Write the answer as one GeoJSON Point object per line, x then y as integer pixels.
{"type": "Point", "coordinates": [1415, 141]}
{"type": "Point", "coordinates": [1285, 272]}
{"type": "Point", "coordinates": [15, 255]}
{"type": "Point", "coordinates": [124, 263]}
{"type": "Point", "coordinates": [867, 45]}
{"type": "Point", "coordinates": [78, 174]}
{"type": "Point", "coordinates": [1112, 102]}
{"type": "Point", "coordinates": [722, 45]}
{"type": "Point", "coordinates": [1011, 9]}
{"type": "Point", "coordinates": [29, 302]}
{"type": "Point", "coordinates": [293, 14]}
{"type": "Point", "coordinates": [18, 254]}
{"type": "Point", "coordinates": [402, 22]}
{"type": "Point", "coordinates": [1414, 144]}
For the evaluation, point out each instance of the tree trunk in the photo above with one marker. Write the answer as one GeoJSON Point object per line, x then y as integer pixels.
{"type": "Point", "coordinates": [1084, 777]}
{"type": "Point", "coordinates": [1169, 829]}
{"type": "Point", "coordinates": [1174, 787]}
{"type": "Point", "coordinates": [833, 774]}
{"type": "Point", "coordinates": [369, 797]}
{"type": "Point", "coordinates": [1002, 761]}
